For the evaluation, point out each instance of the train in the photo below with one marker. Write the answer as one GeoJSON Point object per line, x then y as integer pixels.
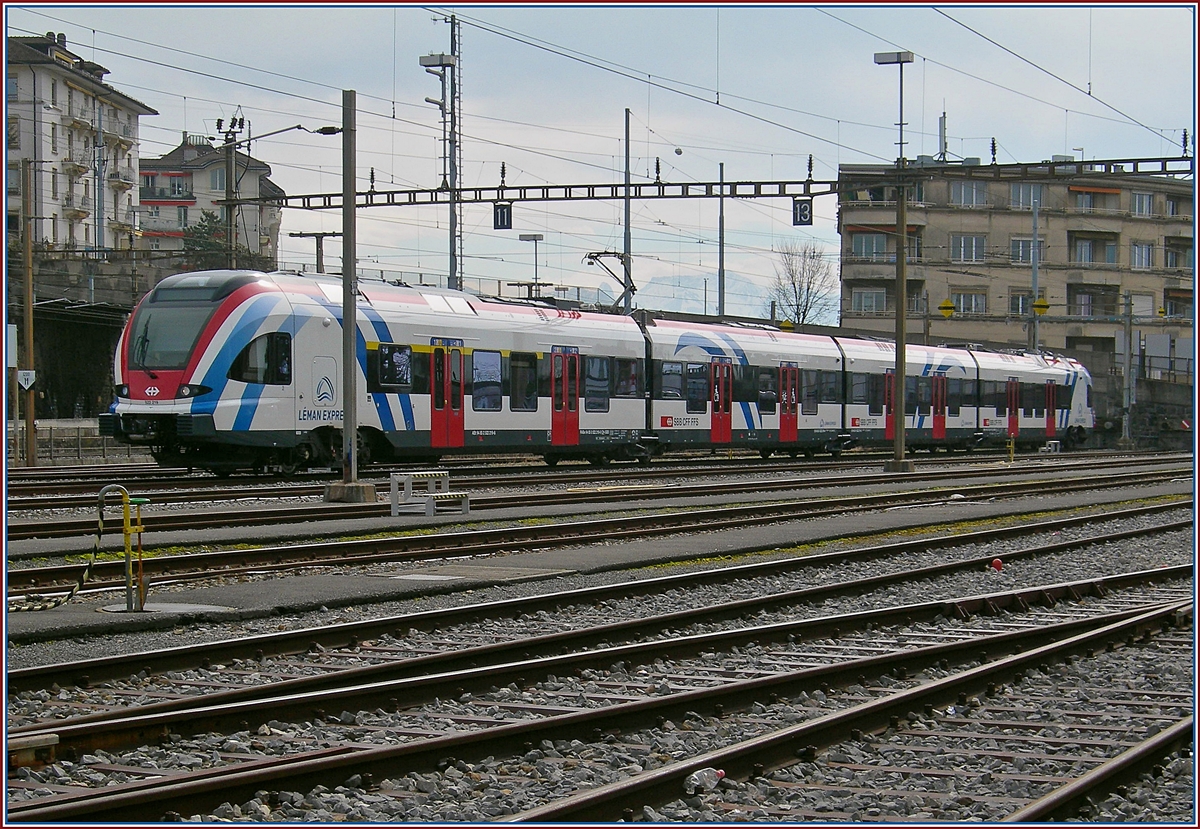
{"type": "Point", "coordinates": [230, 370]}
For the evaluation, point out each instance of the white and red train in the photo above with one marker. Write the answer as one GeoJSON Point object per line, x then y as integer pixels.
{"type": "Point", "coordinates": [228, 370]}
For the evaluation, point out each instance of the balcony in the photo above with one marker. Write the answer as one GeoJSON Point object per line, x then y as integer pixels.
{"type": "Point", "coordinates": [76, 164]}
{"type": "Point", "coordinates": [165, 194]}
{"type": "Point", "coordinates": [79, 117]}
{"type": "Point", "coordinates": [122, 178]}
{"type": "Point", "coordinates": [162, 224]}
{"type": "Point", "coordinates": [76, 207]}
{"type": "Point", "coordinates": [123, 221]}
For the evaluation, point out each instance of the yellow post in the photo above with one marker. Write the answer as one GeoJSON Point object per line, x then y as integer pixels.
{"type": "Point", "coordinates": [141, 579]}
{"type": "Point", "coordinates": [1012, 449]}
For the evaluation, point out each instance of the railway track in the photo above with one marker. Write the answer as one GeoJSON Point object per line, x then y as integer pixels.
{"type": "Point", "coordinates": [171, 521]}
{"type": "Point", "coordinates": [29, 489]}
{"type": "Point", "coordinates": [26, 582]}
{"type": "Point", "coordinates": [844, 677]}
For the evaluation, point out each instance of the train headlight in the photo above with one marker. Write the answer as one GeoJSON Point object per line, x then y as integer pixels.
{"type": "Point", "coordinates": [191, 390]}
{"type": "Point", "coordinates": [121, 390]}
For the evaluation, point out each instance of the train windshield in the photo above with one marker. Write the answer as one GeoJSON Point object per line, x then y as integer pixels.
{"type": "Point", "coordinates": [163, 335]}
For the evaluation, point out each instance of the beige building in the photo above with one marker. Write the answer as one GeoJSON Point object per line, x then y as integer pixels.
{"type": "Point", "coordinates": [80, 136]}
{"type": "Point", "coordinates": [1103, 229]}
{"type": "Point", "coordinates": [181, 185]}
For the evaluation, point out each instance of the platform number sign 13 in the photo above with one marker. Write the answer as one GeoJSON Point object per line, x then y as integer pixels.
{"type": "Point", "coordinates": [801, 212]}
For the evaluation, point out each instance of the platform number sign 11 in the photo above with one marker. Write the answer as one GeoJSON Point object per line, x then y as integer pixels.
{"type": "Point", "coordinates": [801, 212]}
{"type": "Point", "coordinates": [502, 215]}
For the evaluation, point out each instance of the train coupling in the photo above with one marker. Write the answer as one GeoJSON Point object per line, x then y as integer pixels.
{"type": "Point", "coordinates": [841, 442]}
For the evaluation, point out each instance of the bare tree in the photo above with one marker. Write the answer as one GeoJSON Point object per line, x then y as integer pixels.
{"type": "Point", "coordinates": [805, 289]}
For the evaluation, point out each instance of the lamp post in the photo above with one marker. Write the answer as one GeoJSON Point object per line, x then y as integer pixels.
{"type": "Point", "coordinates": [899, 463]}
{"type": "Point", "coordinates": [442, 67]}
{"type": "Point", "coordinates": [535, 238]}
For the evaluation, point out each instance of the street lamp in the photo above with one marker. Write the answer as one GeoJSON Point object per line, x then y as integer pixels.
{"type": "Point", "coordinates": [899, 463]}
{"type": "Point", "coordinates": [535, 238]}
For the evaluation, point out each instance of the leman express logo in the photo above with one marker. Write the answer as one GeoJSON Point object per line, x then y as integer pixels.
{"type": "Point", "coordinates": [669, 422]}
{"type": "Point", "coordinates": [324, 394]}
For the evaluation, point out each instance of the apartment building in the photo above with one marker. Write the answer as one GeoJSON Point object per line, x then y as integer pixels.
{"type": "Point", "coordinates": [81, 137]}
{"type": "Point", "coordinates": [177, 188]}
{"type": "Point", "coordinates": [1102, 230]}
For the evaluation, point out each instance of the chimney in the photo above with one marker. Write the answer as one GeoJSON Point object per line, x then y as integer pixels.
{"type": "Point", "coordinates": [62, 39]}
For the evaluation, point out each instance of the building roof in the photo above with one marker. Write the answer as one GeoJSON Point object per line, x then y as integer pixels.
{"type": "Point", "coordinates": [197, 153]}
{"type": "Point", "coordinates": [51, 50]}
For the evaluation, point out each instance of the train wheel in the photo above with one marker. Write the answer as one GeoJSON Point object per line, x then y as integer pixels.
{"type": "Point", "coordinates": [551, 460]}
{"type": "Point", "coordinates": [765, 453]}
{"type": "Point", "coordinates": [599, 460]}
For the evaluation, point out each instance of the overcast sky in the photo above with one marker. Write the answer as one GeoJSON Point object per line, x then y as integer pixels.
{"type": "Point", "coordinates": [544, 90]}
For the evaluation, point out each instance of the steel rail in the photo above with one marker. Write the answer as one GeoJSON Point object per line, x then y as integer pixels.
{"type": "Point", "coordinates": [1064, 802]}
{"type": "Point", "coordinates": [23, 530]}
{"type": "Point", "coordinates": [419, 680]}
{"type": "Point", "coordinates": [755, 756]}
{"type": "Point", "coordinates": [349, 634]}
{"type": "Point", "coordinates": [150, 800]}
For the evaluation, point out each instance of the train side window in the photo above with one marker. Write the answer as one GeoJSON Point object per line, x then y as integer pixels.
{"type": "Point", "coordinates": [768, 394]}
{"type": "Point", "coordinates": [596, 386]}
{"type": "Point", "coordinates": [809, 391]}
{"type": "Point", "coordinates": [395, 365]}
{"type": "Point", "coordinates": [523, 379]}
{"type": "Point", "coordinates": [486, 395]}
{"type": "Point", "coordinates": [831, 387]}
{"type": "Point", "coordinates": [266, 360]}
{"type": "Point", "coordinates": [876, 385]}
{"type": "Point", "coordinates": [910, 396]}
{"type": "Point", "coordinates": [629, 378]}
{"type": "Point", "coordinates": [858, 388]}
{"type": "Point", "coordinates": [439, 378]}
{"type": "Point", "coordinates": [924, 395]}
{"type": "Point", "coordinates": [1062, 397]}
{"type": "Point", "coordinates": [456, 379]}
{"type": "Point", "coordinates": [697, 388]}
{"type": "Point", "coordinates": [670, 381]}
{"type": "Point", "coordinates": [954, 397]}
{"type": "Point", "coordinates": [969, 393]}
{"type": "Point", "coordinates": [998, 397]}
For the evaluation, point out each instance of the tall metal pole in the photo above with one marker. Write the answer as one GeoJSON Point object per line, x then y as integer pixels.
{"type": "Point", "coordinates": [1033, 259]}
{"type": "Point", "coordinates": [453, 283]}
{"type": "Point", "coordinates": [230, 219]}
{"type": "Point", "coordinates": [721, 245]}
{"type": "Point", "coordinates": [349, 294]}
{"type": "Point", "coordinates": [1126, 441]}
{"type": "Point", "coordinates": [27, 255]}
{"type": "Point", "coordinates": [626, 258]}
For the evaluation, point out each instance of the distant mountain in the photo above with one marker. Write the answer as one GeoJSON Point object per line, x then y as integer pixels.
{"type": "Point", "coordinates": [743, 297]}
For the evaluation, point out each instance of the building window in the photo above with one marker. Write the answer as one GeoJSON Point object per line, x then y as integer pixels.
{"type": "Point", "coordinates": [1177, 257]}
{"type": "Point", "coordinates": [218, 178]}
{"type": "Point", "coordinates": [54, 184]}
{"type": "Point", "coordinates": [148, 181]}
{"type": "Point", "coordinates": [1022, 250]}
{"type": "Point", "coordinates": [1173, 207]}
{"type": "Point", "coordinates": [1141, 256]}
{"type": "Point", "coordinates": [1142, 204]}
{"type": "Point", "coordinates": [869, 245]}
{"type": "Point", "coordinates": [54, 138]}
{"type": "Point", "coordinates": [177, 188]}
{"type": "Point", "coordinates": [1178, 302]}
{"type": "Point", "coordinates": [1089, 251]}
{"type": "Point", "coordinates": [969, 302]}
{"type": "Point", "coordinates": [155, 244]}
{"type": "Point", "coordinates": [53, 93]}
{"type": "Point", "coordinates": [13, 88]}
{"type": "Point", "coordinates": [14, 132]}
{"type": "Point", "coordinates": [1022, 196]}
{"type": "Point", "coordinates": [153, 210]}
{"type": "Point", "coordinates": [1020, 302]}
{"type": "Point", "coordinates": [54, 229]}
{"type": "Point", "coordinates": [968, 193]}
{"type": "Point", "coordinates": [968, 248]}
{"type": "Point", "coordinates": [868, 300]}
{"type": "Point", "coordinates": [181, 213]}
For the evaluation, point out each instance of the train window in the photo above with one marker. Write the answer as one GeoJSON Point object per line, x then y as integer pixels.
{"type": "Point", "coordinates": [164, 335]}
{"type": "Point", "coordinates": [924, 396]}
{"type": "Point", "coordinates": [858, 387]}
{"type": "Point", "coordinates": [831, 387]}
{"type": "Point", "coordinates": [1033, 400]}
{"type": "Point", "coordinates": [768, 393]}
{"type": "Point", "coordinates": [910, 395]}
{"type": "Point", "coordinates": [486, 395]}
{"type": "Point", "coordinates": [439, 378]}
{"type": "Point", "coordinates": [697, 388]}
{"type": "Point", "coordinates": [876, 384]}
{"type": "Point", "coordinates": [954, 397]}
{"type": "Point", "coordinates": [523, 377]}
{"type": "Point", "coordinates": [969, 393]}
{"type": "Point", "coordinates": [596, 388]}
{"type": "Point", "coordinates": [628, 379]}
{"type": "Point", "coordinates": [572, 383]}
{"type": "Point", "coordinates": [266, 360]}
{"type": "Point", "coordinates": [456, 379]}
{"type": "Point", "coordinates": [395, 365]}
{"type": "Point", "coordinates": [670, 381]}
{"type": "Point", "coordinates": [999, 397]}
{"type": "Point", "coordinates": [809, 392]}
{"type": "Point", "coordinates": [1062, 397]}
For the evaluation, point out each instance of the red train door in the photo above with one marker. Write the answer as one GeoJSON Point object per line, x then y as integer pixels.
{"type": "Point", "coordinates": [564, 394]}
{"type": "Point", "coordinates": [939, 407]}
{"type": "Point", "coordinates": [1014, 408]}
{"type": "Point", "coordinates": [721, 394]}
{"type": "Point", "coordinates": [789, 396]}
{"type": "Point", "coordinates": [889, 406]}
{"type": "Point", "coordinates": [1051, 408]}
{"type": "Point", "coordinates": [446, 397]}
